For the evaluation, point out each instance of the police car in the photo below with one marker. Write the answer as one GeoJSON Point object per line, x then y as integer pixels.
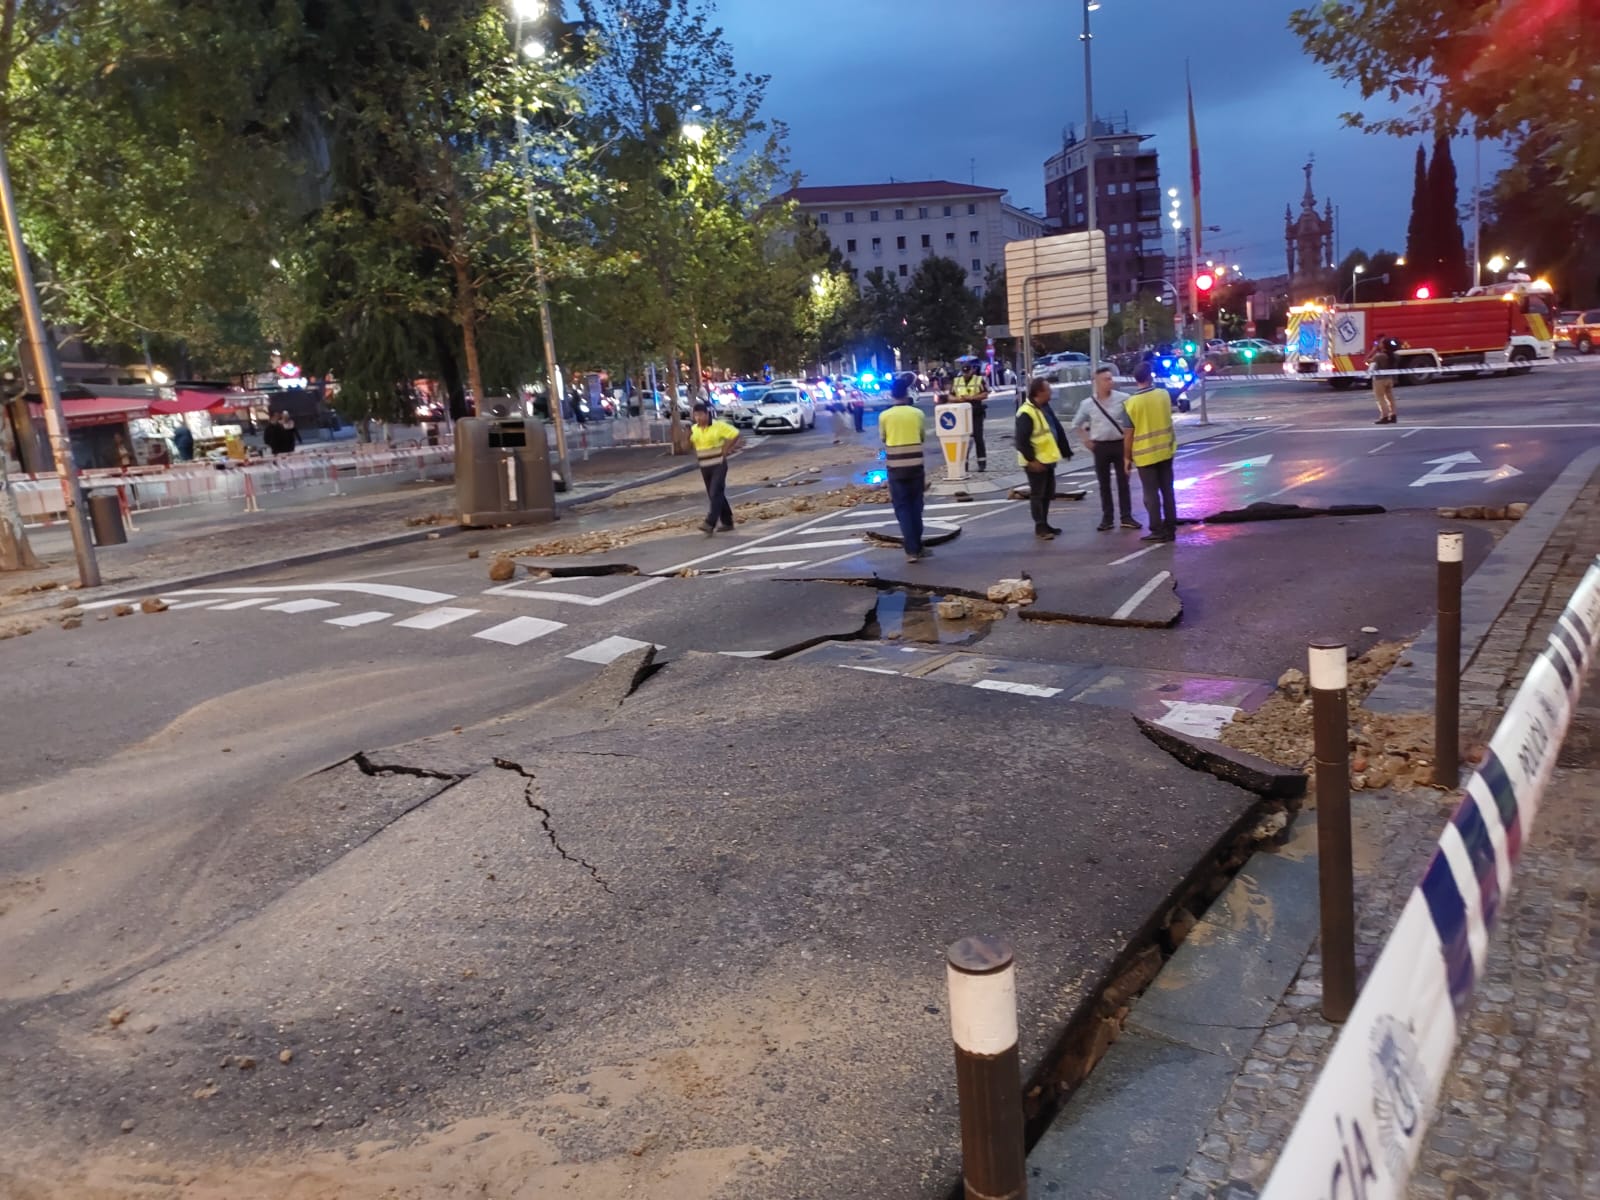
{"type": "Point", "coordinates": [785, 407]}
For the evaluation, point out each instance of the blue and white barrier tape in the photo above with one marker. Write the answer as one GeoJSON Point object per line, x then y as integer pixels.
{"type": "Point", "coordinates": [1362, 1128]}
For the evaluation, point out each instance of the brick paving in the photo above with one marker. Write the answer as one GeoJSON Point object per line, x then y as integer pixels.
{"type": "Point", "coordinates": [1514, 1120]}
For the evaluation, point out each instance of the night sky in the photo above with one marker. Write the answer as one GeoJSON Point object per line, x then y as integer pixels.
{"type": "Point", "coordinates": [919, 89]}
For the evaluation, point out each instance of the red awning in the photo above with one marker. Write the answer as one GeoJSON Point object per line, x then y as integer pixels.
{"type": "Point", "coordinates": [190, 402]}
{"type": "Point", "coordinates": [100, 410]}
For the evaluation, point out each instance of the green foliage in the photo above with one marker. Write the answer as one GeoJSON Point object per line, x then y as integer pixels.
{"type": "Point", "coordinates": [942, 313]}
{"type": "Point", "coordinates": [1528, 219]}
{"type": "Point", "coordinates": [1511, 71]}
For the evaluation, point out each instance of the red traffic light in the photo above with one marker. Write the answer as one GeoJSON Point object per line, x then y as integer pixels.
{"type": "Point", "coordinates": [1424, 292]}
{"type": "Point", "coordinates": [1204, 281]}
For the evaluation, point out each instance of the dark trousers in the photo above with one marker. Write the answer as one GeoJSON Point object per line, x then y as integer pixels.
{"type": "Point", "coordinates": [716, 480]}
{"type": "Point", "coordinates": [978, 443]}
{"type": "Point", "coordinates": [1108, 461]}
{"type": "Point", "coordinates": [1041, 490]}
{"type": "Point", "coordinates": [1159, 500]}
{"type": "Point", "coordinates": [858, 414]}
{"type": "Point", "coordinates": [905, 493]}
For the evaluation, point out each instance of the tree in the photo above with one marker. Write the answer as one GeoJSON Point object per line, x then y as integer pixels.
{"type": "Point", "coordinates": [1419, 230]}
{"type": "Point", "coordinates": [941, 311]}
{"type": "Point", "coordinates": [1446, 267]}
{"type": "Point", "coordinates": [1504, 71]}
{"type": "Point", "coordinates": [1527, 219]}
{"type": "Point", "coordinates": [1145, 320]}
{"type": "Point", "coordinates": [879, 322]}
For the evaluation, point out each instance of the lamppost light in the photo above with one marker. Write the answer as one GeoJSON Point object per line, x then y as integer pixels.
{"type": "Point", "coordinates": [1497, 263]}
{"type": "Point", "coordinates": [533, 48]}
{"type": "Point", "coordinates": [694, 133]}
{"type": "Point", "coordinates": [528, 10]}
{"type": "Point", "coordinates": [1359, 269]}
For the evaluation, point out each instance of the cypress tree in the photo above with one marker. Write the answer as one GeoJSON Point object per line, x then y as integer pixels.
{"type": "Point", "coordinates": [1448, 251]}
{"type": "Point", "coordinates": [1419, 254]}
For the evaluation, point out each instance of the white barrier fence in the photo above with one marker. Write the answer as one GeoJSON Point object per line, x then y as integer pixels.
{"type": "Point", "coordinates": [39, 497]}
{"type": "Point", "coordinates": [1363, 1126]}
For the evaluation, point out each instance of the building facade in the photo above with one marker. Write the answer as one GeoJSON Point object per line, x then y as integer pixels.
{"type": "Point", "coordinates": [1128, 205]}
{"type": "Point", "coordinates": [897, 226]}
{"type": "Point", "coordinates": [1308, 246]}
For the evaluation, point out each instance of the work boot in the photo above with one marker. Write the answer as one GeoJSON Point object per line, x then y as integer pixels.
{"type": "Point", "coordinates": [1044, 533]}
{"type": "Point", "coordinates": [1130, 523]}
{"type": "Point", "coordinates": [1052, 529]}
{"type": "Point", "coordinates": [707, 528]}
{"type": "Point", "coordinates": [1103, 527]}
{"type": "Point", "coordinates": [983, 464]}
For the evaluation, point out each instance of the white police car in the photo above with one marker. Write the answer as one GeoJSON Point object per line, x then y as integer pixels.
{"type": "Point", "coordinates": [788, 408]}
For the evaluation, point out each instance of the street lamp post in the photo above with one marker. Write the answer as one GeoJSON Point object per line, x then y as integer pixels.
{"type": "Point", "coordinates": [1356, 272]}
{"type": "Point", "coordinates": [1087, 38]}
{"type": "Point", "coordinates": [54, 418]}
{"type": "Point", "coordinates": [532, 10]}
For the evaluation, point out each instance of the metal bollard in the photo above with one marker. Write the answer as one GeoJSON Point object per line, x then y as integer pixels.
{"type": "Point", "coordinates": [1447, 674]}
{"type": "Point", "coordinates": [1330, 724]}
{"type": "Point", "coordinates": [983, 1021]}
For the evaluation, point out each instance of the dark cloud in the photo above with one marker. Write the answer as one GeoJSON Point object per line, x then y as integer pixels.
{"type": "Point", "coordinates": [955, 89]}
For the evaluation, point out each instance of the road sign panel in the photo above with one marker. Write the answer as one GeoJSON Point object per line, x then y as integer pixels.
{"type": "Point", "coordinates": [1057, 284]}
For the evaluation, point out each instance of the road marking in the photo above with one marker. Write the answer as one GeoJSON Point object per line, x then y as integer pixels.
{"type": "Point", "coordinates": [1225, 442]}
{"type": "Point", "coordinates": [761, 566]}
{"type": "Point", "coordinates": [1020, 689]}
{"type": "Point", "coordinates": [360, 618]}
{"type": "Point", "coordinates": [300, 606]}
{"type": "Point", "coordinates": [511, 589]}
{"type": "Point", "coordinates": [1410, 433]}
{"type": "Point", "coordinates": [1196, 719]}
{"type": "Point", "coordinates": [771, 537]}
{"type": "Point", "coordinates": [1443, 428]}
{"type": "Point", "coordinates": [859, 525]}
{"type": "Point", "coordinates": [1441, 470]}
{"type": "Point", "coordinates": [1132, 603]}
{"type": "Point", "coordinates": [1375, 449]}
{"type": "Point", "coordinates": [516, 632]}
{"type": "Point", "coordinates": [387, 591]}
{"type": "Point", "coordinates": [744, 653]}
{"type": "Point", "coordinates": [250, 603]}
{"type": "Point", "coordinates": [1127, 558]}
{"type": "Point", "coordinates": [878, 511]}
{"type": "Point", "coordinates": [191, 604]}
{"type": "Point", "coordinates": [608, 650]}
{"type": "Point", "coordinates": [433, 618]}
{"type": "Point", "coordinates": [870, 670]}
{"type": "Point", "coordinates": [800, 546]}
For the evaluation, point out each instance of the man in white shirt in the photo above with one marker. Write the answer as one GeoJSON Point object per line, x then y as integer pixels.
{"type": "Point", "coordinates": [1100, 423]}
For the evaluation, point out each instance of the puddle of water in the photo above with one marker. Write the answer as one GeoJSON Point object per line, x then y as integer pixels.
{"type": "Point", "coordinates": [908, 617]}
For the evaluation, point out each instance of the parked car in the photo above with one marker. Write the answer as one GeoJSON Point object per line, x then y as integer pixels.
{"type": "Point", "coordinates": [785, 408]}
{"type": "Point", "coordinates": [1584, 333]}
{"type": "Point", "coordinates": [1046, 364]}
{"type": "Point", "coordinates": [1564, 322]}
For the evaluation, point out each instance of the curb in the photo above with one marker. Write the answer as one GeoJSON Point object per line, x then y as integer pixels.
{"type": "Point", "coordinates": [1257, 775]}
{"type": "Point", "coordinates": [1485, 595]}
{"type": "Point", "coordinates": [574, 499]}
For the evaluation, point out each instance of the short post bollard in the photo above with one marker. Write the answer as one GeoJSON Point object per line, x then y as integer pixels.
{"type": "Point", "coordinates": [1330, 724]}
{"type": "Point", "coordinates": [983, 1020]}
{"type": "Point", "coordinates": [1447, 673]}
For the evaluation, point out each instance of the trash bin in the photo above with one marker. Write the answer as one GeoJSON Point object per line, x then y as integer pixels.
{"type": "Point", "coordinates": [105, 519]}
{"type": "Point", "coordinates": [503, 472]}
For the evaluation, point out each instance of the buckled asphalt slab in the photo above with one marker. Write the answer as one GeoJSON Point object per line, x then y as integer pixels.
{"type": "Point", "coordinates": [650, 939]}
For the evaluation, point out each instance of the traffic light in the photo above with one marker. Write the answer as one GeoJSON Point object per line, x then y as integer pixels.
{"type": "Point", "coordinates": [1189, 347]}
{"type": "Point", "coordinates": [1248, 353]}
{"type": "Point", "coordinates": [1424, 292]}
{"type": "Point", "coordinates": [1204, 282]}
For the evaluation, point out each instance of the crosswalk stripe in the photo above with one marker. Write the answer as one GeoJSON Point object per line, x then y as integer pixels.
{"type": "Point", "coordinates": [778, 548]}
{"type": "Point", "coordinates": [1020, 689]}
{"type": "Point", "coordinates": [300, 606]}
{"type": "Point", "coordinates": [248, 603]}
{"type": "Point", "coordinates": [193, 604]}
{"type": "Point", "coordinates": [360, 618]}
{"type": "Point", "coordinates": [435, 617]}
{"type": "Point", "coordinates": [517, 631]}
{"type": "Point", "coordinates": [608, 650]}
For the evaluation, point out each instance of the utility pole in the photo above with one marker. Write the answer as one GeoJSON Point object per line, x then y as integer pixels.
{"type": "Point", "coordinates": [54, 419]}
{"type": "Point", "coordinates": [1089, 181]}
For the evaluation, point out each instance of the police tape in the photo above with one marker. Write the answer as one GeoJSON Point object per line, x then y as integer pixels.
{"type": "Point", "coordinates": [1363, 1126]}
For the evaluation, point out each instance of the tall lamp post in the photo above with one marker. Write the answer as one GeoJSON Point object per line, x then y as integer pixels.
{"type": "Point", "coordinates": [54, 418]}
{"type": "Point", "coordinates": [1356, 272]}
{"type": "Point", "coordinates": [1087, 38]}
{"type": "Point", "coordinates": [532, 10]}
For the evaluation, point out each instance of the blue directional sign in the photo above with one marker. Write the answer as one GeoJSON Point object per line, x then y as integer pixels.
{"type": "Point", "coordinates": [947, 420]}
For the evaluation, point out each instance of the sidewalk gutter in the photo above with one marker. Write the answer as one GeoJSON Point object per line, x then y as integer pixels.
{"type": "Point", "coordinates": [1485, 595]}
{"type": "Point", "coordinates": [574, 499]}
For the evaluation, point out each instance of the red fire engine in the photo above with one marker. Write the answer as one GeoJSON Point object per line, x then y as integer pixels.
{"type": "Point", "coordinates": [1500, 328]}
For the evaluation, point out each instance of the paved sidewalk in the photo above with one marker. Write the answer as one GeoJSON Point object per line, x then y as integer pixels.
{"type": "Point", "coordinates": [1514, 1119]}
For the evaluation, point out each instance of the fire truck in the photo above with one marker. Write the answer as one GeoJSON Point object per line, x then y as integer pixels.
{"type": "Point", "coordinates": [1500, 328]}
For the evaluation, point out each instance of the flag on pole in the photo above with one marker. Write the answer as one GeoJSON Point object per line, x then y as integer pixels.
{"type": "Point", "coordinates": [1194, 161]}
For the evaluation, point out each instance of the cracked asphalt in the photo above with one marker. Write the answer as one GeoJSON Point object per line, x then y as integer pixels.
{"type": "Point", "coordinates": [540, 887]}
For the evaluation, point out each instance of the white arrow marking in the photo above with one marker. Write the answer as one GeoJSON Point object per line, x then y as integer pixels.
{"type": "Point", "coordinates": [1441, 472]}
{"type": "Point", "coordinates": [1197, 720]}
{"type": "Point", "coordinates": [1184, 484]}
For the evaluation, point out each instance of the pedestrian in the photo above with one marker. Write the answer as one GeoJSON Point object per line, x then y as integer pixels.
{"type": "Point", "coordinates": [713, 442]}
{"type": "Point", "coordinates": [1383, 359]}
{"type": "Point", "coordinates": [840, 412]}
{"type": "Point", "coordinates": [291, 435]}
{"type": "Point", "coordinates": [903, 430]}
{"type": "Point", "coordinates": [1100, 423]}
{"type": "Point", "coordinates": [183, 443]}
{"type": "Point", "coordinates": [1149, 443]}
{"type": "Point", "coordinates": [1041, 444]}
{"type": "Point", "coordinates": [970, 388]}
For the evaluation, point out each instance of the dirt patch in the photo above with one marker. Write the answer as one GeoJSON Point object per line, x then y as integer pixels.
{"type": "Point", "coordinates": [1392, 750]}
{"type": "Point", "coordinates": [433, 518]}
{"type": "Point", "coordinates": [849, 496]}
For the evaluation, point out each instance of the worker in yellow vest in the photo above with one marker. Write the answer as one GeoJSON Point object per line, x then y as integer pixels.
{"type": "Point", "coordinates": [903, 430]}
{"type": "Point", "coordinates": [1150, 444]}
{"type": "Point", "coordinates": [713, 442]}
{"type": "Point", "coordinates": [969, 386]}
{"type": "Point", "coordinates": [1040, 442]}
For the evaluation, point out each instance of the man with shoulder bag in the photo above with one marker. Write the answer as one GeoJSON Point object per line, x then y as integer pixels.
{"type": "Point", "coordinates": [1101, 422]}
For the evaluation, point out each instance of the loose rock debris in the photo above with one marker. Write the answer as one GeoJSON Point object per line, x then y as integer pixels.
{"type": "Point", "coordinates": [849, 496]}
{"type": "Point", "coordinates": [1486, 512]}
{"type": "Point", "coordinates": [1386, 749]}
{"type": "Point", "coordinates": [502, 569]}
{"type": "Point", "coordinates": [1012, 591]}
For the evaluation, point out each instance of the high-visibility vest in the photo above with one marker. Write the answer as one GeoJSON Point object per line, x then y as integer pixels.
{"type": "Point", "coordinates": [902, 430]}
{"type": "Point", "coordinates": [968, 388]}
{"type": "Point", "coordinates": [1150, 414]}
{"type": "Point", "coordinates": [709, 440]}
{"type": "Point", "coordinates": [1045, 448]}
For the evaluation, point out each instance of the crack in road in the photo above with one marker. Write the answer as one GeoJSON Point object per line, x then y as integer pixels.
{"type": "Point", "coordinates": [368, 767]}
{"type": "Point", "coordinates": [505, 764]}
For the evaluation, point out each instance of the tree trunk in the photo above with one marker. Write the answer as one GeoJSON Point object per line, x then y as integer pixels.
{"type": "Point", "coordinates": [679, 442]}
{"type": "Point", "coordinates": [467, 318]}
